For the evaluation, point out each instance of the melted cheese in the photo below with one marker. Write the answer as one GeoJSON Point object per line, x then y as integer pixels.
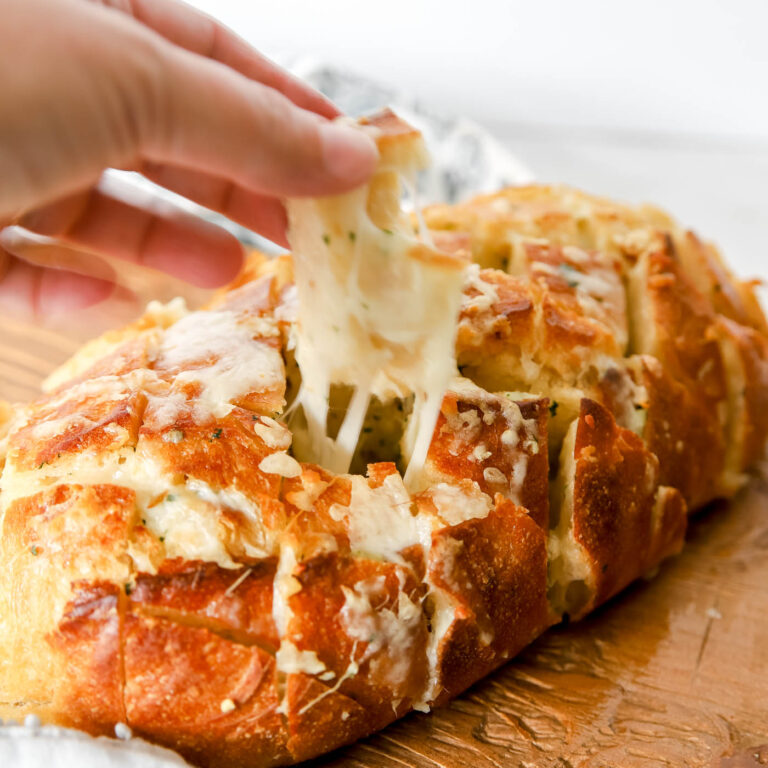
{"type": "Point", "coordinates": [280, 464]}
{"type": "Point", "coordinates": [457, 504]}
{"type": "Point", "coordinates": [384, 629]}
{"type": "Point", "coordinates": [380, 522]}
{"type": "Point", "coordinates": [185, 516]}
{"type": "Point", "coordinates": [568, 560]}
{"type": "Point", "coordinates": [377, 310]}
{"type": "Point", "coordinates": [443, 617]}
{"type": "Point", "coordinates": [487, 295]}
{"type": "Point", "coordinates": [284, 585]}
{"type": "Point", "coordinates": [273, 433]}
{"type": "Point", "coordinates": [225, 355]}
{"type": "Point", "coordinates": [291, 660]}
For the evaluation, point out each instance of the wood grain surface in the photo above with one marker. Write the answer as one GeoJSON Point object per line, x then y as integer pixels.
{"type": "Point", "coordinates": [673, 672]}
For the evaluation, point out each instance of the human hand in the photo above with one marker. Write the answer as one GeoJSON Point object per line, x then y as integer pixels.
{"type": "Point", "coordinates": [157, 87]}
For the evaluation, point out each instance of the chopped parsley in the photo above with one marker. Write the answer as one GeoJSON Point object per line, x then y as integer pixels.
{"type": "Point", "coordinates": [327, 239]}
{"type": "Point", "coordinates": [216, 433]}
{"type": "Point", "coordinates": [352, 237]}
{"type": "Point", "coordinates": [170, 497]}
{"type": "Point", "coordinates": [387, 231]}
{"type": "Point", "coordinates": [34, 550]}
{"type": "Point", "coordinates": [553, 408]}
{"type": "Point", "coordinates": [128, 588]}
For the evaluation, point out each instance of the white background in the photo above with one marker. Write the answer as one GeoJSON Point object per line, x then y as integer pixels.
{"type": "Point", "coordinates": [653, 100]}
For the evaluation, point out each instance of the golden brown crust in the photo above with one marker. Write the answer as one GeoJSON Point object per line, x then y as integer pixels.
{"type": "Point", "coordinates": [233, 604]}
{"type": "Point", "coordinates": [74, 424]}
{"type": "Point", "coordinates": [363, 615]}
{"type": "Point", "coordinates": [212, 699]}
{"type": "Point", "coordinates": [676, 422]}
{"type": "Point", "coordinates": [166, 562]}
{"type": "Point", "coordinates": [623, 522]}
{"type": "Point", "coordinates": [314, 729]}
{"type": "Point", "coordinates": [494, 569]}
{"type": "Point", "coordinates": [89, 636]}
{"type": "Point", "coordinates": [745, 352]}
{"type": "Point", "coordinates": [498, 443]}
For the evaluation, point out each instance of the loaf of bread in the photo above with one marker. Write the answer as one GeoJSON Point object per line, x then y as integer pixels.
{"type": "Point", "coordinates": [172, 558]}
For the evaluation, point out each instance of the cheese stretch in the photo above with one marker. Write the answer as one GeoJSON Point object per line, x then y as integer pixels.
{"type": "Point", "coordinates": [378, 304]}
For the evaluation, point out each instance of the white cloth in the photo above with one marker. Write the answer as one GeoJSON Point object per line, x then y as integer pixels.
{"type": "Point", "coordinates": [34, 746]}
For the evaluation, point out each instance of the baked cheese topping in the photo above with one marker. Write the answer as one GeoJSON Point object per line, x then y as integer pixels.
{"type": "Point", "coordinates": [380, 521]}
{"type": "Point", "coordinates": [225, 355]}
{"type": "Point", "coordinates": [378, 305]}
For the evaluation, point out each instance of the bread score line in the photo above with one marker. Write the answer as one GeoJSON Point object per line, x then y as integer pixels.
{"type": "Point", "coordinates": [168, 560]}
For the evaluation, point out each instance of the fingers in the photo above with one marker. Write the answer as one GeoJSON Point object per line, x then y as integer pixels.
{"type": "Point", "coordinates": [179, 244]}
{"type": "Point", "coordinates": [196, 32]}
{"type": "Point", "coordinates": [260, 213]}
{"type": "Point", "coordinates": [251, 134]}
{"type": "Point", "coordinates": [31, 248]}
{"type": "Point", "coordinates": [106, 90]}
{"type": "Point", "coordinates": [248, 121]}
{"type": "Point", "coordinates": [31, 292]}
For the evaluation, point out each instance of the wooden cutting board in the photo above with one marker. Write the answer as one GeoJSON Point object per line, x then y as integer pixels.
{"type": "Point", "coordinates": [673, 672]}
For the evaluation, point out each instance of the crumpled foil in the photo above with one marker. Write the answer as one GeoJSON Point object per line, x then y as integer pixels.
{"type": "Point", "coordinates": [466, 159]}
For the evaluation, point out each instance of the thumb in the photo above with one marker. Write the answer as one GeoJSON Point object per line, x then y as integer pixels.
{"type": "Point", "coordinates": [210, 118]}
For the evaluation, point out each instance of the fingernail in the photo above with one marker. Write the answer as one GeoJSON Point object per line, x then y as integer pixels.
{"type": "Point", "coordinates": [348, 154]}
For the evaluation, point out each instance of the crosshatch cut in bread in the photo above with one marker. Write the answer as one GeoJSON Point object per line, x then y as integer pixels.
{"type": "Point", "coordinates": [368, 474]}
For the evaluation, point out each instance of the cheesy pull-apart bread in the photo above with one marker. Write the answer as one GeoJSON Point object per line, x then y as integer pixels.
{"type": "Point", "coordinates": [367, 475]}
